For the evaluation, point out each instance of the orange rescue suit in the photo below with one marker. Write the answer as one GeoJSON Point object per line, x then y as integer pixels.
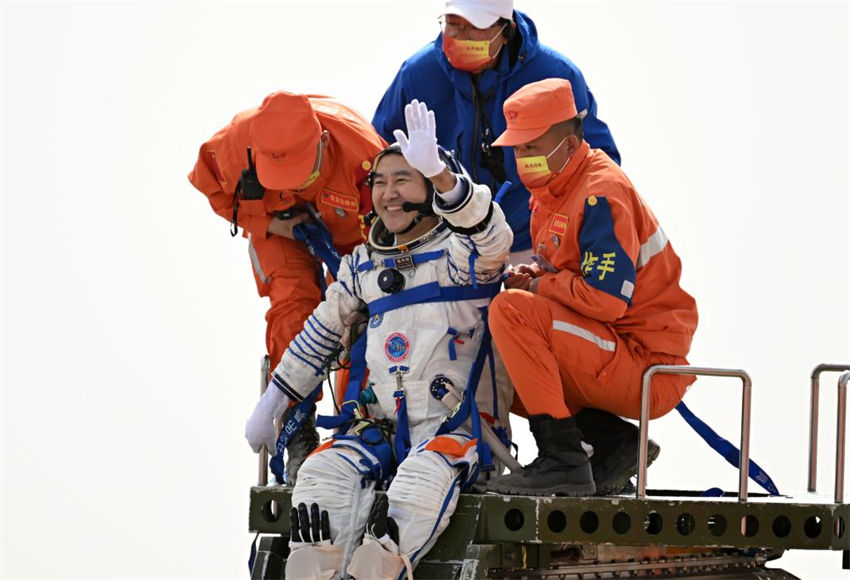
{"type": "Point", "coordinates": [283, 268]}
{"type": "Point", "coordinates": [608, 302]}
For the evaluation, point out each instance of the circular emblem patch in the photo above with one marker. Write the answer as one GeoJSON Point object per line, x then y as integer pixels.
{"type": "Point", "coordinates": [376, 321]}
{"type": "Point", "coordinates": [397, 347]}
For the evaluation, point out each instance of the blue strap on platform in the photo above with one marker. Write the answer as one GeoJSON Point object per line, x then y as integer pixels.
{"type": "Point", "coordinates": [729, 452]}
{"type": "Point", "coordinates": [253, 556]}
{"type": "Point", "coordinates": [289, 429]}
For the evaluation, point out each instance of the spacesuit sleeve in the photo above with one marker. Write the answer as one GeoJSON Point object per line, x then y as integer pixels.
{"type": "Point", "coordinates": [480, 230]}
{"type": "Point", "coordinates": [605, 283]}
{"type": "Point", "coordinates": [303, 365]}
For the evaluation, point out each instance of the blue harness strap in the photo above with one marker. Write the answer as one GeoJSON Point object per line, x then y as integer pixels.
{"type": "Point", "coordinates": [431, 292]}
{"type": "Point", "coordinates": [416, 295]}
{"type": "Point", "coordinates": [367, 433]}
{"type": "Point", "coordinates": [301, 411]}
{"type": "Point", "coordinates": [402, 435]}
{"type": "Point", "coordinates": [464, 411]}
{"type": "Point", "coordinates": [468, 408]}
{"type": "Point", "coordinates": [729, 452]}
{"type": "Point", "coordinates": [502, 191]}
{"type": "Point", "coordinates": [319, 241]}
{"type": "Point", "coordinates": [350, 404]}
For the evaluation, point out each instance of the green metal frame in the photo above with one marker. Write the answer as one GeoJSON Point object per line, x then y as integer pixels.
{"type": "Point", "coordinates": [494, 531]}
{"type": "Point", "coordinates": [514, 533]}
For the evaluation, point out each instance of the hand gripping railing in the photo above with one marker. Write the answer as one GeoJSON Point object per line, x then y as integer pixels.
{"type": "Point", "coordinates": [743, 463]}
{"type": "Point", "coordinates": [840, 430]}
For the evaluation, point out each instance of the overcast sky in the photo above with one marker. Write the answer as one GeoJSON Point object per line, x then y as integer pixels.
{"type": "Point", "coordinates": [131, 328]}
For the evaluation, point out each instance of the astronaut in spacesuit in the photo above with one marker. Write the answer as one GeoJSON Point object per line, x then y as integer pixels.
{"type": "Point", "coordinates": [433, 262]}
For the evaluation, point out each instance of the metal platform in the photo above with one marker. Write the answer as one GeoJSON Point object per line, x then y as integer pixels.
{"type": "Point", "coordinates": [658, 533]}
{"type": "Point", "coordinates": [502, 536]}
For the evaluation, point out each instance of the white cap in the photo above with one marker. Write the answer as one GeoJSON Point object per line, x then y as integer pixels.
{"type": "Point", "coordinates": [481, 13]}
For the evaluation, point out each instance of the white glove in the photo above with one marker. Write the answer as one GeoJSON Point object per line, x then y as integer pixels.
{"type": "Point", "coordinates": [420, 149]}
{"type": "Point", "coordinates": [260, 429]}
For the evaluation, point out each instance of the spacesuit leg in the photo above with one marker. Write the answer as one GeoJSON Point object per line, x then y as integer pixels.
{"type": "Point", "coordinates": [422, 498]}
{"type": "Point", "coordinates": [334, 478]}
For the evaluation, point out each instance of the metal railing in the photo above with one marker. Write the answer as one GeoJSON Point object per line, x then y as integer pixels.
{"type": "Point", "coordinates": [263, 478]}
{"type": "Point", "coordinates": [840, 433]}
{"type": "Point", "coordinates": [841, 423]}
{"type": "Point", "coordinates": [685, 370]}
{"type": "Point", "coordinates": [813, 427]}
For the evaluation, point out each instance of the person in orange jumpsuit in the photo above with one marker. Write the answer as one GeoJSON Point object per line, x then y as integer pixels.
{"type": "Point", "coordinates": [601, 303]}
{"type": "Point", "coordinates": [304, 149]}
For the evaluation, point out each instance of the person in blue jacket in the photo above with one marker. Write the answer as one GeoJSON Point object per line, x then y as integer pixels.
{"type": "Point", "coordinates": [485, 52]}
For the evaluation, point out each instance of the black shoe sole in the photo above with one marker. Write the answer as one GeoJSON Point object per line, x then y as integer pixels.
{"type": "Point", "coordinates": [560, 490]}
{"type": "Point", "coordinates": [563, 489]}
{"type": "Point", "coordinates": [614, 484]}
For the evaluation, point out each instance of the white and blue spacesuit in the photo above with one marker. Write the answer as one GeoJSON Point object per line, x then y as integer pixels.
{"type": "Point", "coordinates": [426, 348]}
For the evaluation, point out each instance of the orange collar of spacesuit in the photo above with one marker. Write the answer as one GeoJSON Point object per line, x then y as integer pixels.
{"type": "Point", "coordinates": [561, 183]}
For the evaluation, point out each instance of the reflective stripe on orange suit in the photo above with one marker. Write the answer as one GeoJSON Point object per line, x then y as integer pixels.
{"type": "Point", "coordinates": [283, 269]}
{"type": "Point", "coordinates": [585, 342]}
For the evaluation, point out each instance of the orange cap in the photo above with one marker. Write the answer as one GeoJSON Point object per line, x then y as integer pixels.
{"type": "Point", "coordinates": [534, 108]}
{"type": "Point", "coordinates": [285, 133]}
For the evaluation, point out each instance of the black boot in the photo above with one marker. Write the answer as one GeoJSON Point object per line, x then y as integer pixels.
{"type": "Point", "coordinates": [300, 446]}
{"type": "Point", "coordinates": [561, 467]}
{"type": "Point", "coordinates": [615, 447]}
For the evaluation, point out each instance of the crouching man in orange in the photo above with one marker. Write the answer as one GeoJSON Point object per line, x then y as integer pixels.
{"type": "Point", "coordinates": [272, 168]}
{"type": "Point", "coordinates": [601, 303]}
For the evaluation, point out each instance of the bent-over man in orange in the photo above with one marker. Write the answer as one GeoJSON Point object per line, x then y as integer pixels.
{"type": "Point", "coordinates": [303, 149]}
{"type": "Point", "coordinates": [601, 303]}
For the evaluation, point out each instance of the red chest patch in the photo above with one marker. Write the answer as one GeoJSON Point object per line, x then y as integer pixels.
{"type": "Point", "coordinates": [340, 200]}
{"type": "Point", "coordinates": [558, 225]}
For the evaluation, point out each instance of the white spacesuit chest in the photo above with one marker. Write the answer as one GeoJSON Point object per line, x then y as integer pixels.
{"type": "Point", "coordinates": [404, 336]}
{"type": "Point", "coordinates": [419, 343]}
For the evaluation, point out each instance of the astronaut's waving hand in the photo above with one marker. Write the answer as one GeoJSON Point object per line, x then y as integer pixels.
{"type": "Point", "coordinates": [419, 146]}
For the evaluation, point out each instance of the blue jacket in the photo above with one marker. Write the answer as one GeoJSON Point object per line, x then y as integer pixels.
{"type": "Point", "coordinates": [428, 76]}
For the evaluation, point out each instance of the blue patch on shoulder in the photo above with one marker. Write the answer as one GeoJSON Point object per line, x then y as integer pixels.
{"type": "Point", "coordinates": [605, 265]}
{"type": "Point", "coordinates": [376, 321]}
